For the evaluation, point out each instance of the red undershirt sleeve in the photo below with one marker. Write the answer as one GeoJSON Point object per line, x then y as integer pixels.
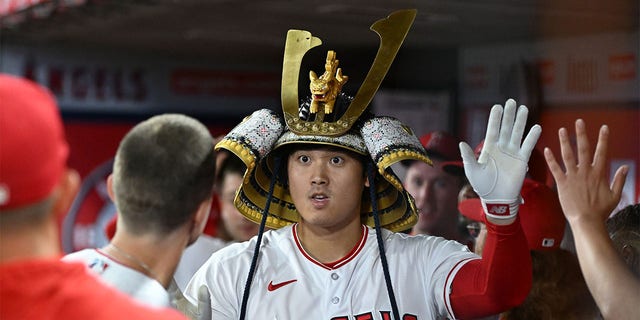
{"type": "Point", "coordinates": [500, 280]}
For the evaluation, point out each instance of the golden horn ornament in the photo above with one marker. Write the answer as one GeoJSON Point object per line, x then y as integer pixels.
{"type": "Point", "coordinates": [392, 32]}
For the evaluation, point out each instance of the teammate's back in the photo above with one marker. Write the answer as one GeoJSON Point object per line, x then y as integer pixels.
{"type": "Point", "coordinates": [35, 188]}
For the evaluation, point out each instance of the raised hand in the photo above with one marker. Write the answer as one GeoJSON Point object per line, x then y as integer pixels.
{"type": "Point", "coordinates": [583, 187]}
{"type": "Point", "coordinates": [499, 171]}
{"type": "Point", "coordinates": [587, 199]}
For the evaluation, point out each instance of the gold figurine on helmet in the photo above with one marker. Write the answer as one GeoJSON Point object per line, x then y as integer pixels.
{"type": "Point", "coordinates": [260, 137]}
{"type": "Point", "coordinates": [325, 89]}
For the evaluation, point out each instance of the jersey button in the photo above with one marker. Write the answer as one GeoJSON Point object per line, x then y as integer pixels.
{"type": "Point", "coordinates": [335, 276]}
{"type": "Point", "coordinates": [335, 300]}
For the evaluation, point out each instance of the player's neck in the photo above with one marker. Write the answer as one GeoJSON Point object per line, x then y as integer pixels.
{"type": "Point", "coordinates": [329, 245]}
{"type": "Point", "coordinates": [156, 258]}
{"type": "Point", "coordinates": [33, 242]}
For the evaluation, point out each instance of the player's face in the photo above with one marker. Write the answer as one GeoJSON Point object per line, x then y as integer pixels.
{"type": "Point", "coordinates": [238, 227]}
{"type": "Point", "coordinates": [326, 187]}
{"type": "Point", "coordinates": [466, 192]}
{"type": "Point", "coordinates": [436, 195]}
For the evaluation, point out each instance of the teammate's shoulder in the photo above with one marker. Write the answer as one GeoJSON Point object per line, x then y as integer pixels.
{"type": "Point", "coordinates": [387, 235]}
{"type": "Point", "coordinates": [80, 255]}
{"type": "Point", "coordinates": [238, 250]}
{"type": "Point", "coordinates": [122, 306]}
{"type": "Point", "coordinates": [420, 241]}
{"type": "Point", "coordinates": [210, 242]}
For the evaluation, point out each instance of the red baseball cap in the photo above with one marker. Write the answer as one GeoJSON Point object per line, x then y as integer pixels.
{"type": "Point", "coordinates": [33, 149]}
{"type": "Point", "coordinates": [455, 167]}
{"type": "Point", "coordinates": [443, 145]}
{"type": "Point", "coordinates": [538, 169]}
{"type": "Point", "coordinates": [541, 216]}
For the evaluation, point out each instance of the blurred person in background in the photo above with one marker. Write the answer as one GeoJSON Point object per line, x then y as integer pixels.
{"type": "Point", "coordinates": [162, 185]}
{"type": "Point", "coordinates": [436, 190]}
{"type": "Point", "coordinates": [233, 226]}
{"type": "Point", "coordinates": [36, 187]}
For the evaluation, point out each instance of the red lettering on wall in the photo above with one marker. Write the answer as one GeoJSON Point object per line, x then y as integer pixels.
{"type": "Point", "coordinates": [582, 75]}
{"type": "Point", "coordinates": [84, 84]}
{"type": "Point", "coordinates": [476, 77]}
{"type": "Point", "coordinates": [56, 81]}
{"type": "Point", "coordinates": [622, 67]}
{"type": "Point", "coordinates": [118, 86]}
{"type": "Point", "coordinates": [223, 83]}
{"type": "Point", "coordinates": [547, 70]}
{"type": "Point", "coordinates": [100, 83]}
{"type": "Point", "coordinates": [30, 70]}
{"type": "Point", "coordinates": [138, 86]}
{"type": "Point", "coordinates": [79, 83]}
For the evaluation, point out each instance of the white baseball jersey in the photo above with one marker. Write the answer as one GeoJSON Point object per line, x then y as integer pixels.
{"type": "Point", "coordinates": [194, 257]}
{"type": "Point", "coordinates": [127, 280]}
{"type": "Point", "coordinates": [290, 284]}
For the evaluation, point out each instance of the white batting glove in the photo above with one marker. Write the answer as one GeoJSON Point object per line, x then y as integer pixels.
{"type": "Point", "coordinates": [202, 311]}
{"type": "Point", "coordinates": [499, 172]}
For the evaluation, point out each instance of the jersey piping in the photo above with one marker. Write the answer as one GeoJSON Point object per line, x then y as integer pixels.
{"type": "Point", "coordinates": [449, 283]}
{"type": "Point", "coordinates": [338, 263]}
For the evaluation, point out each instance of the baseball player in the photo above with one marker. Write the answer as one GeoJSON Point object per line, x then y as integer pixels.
{"type": "Point", "coordinates": [543, 224]}
{"type": "Point", "coordinates": [588, 197]}
{"type": "Point", "coordinates": [435, 190]}
{"type": "Point", "coordinates": [233, 226]}
{"type": "Point", "coordinates": [36, 188]}
{"type": "Point", "coordinates": [323, 182]}
{"type": "Point", "coordinates": [162, 185]}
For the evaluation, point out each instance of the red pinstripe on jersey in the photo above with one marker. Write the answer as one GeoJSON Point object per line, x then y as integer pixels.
{"type": "Point", "coordinates": [338, 263]}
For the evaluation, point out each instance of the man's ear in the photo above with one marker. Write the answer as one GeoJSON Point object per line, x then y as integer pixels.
{"type": "Point", "coordinates": [67, 190]}
{"type": "Point", "coordinates": [366, 182]}
{"type": "Point", "coordinates": [629, 254]}
{"type": "Point", "coordinates": [112, 194]}
{"type": "Point", "coordinates": [199, 220]}
{"type": "Point", "coordinates": [202, 215]}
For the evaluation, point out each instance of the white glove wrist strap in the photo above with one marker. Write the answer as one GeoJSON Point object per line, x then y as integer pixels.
{"type": "Point", "coordinates": [501, 208]}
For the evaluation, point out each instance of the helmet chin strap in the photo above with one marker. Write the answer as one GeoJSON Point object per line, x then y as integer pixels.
{"type": "Point", "coordinates": [256, 251]}
{"type": "Point", "coordinates": [383, 258]}
{"type": "Point", "coordinates": [371, 174]}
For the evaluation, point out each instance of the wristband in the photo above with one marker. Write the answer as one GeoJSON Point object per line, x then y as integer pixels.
{"type": "Point", "coordinates": [501, 209]}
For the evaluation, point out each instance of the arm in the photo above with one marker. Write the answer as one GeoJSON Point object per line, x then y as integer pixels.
{"type": "Point", "coordinates": [499, 281]}
{"type": "Point", "coordinates": [502, 278]}
{"type": "Point", "coordinates": [587, 200]}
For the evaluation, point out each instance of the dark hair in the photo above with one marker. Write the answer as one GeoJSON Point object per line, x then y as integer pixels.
{"type": "Point", "coordinates": [230, 165]}
{"type": "Point", "coordinates": [164, 169]}
{"type": "Point", "coordinates": [624, 230]}
{"type": "Point", "coordinates": [628, 218]}
{"type": "Point", "coordinates": [559, 290]}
